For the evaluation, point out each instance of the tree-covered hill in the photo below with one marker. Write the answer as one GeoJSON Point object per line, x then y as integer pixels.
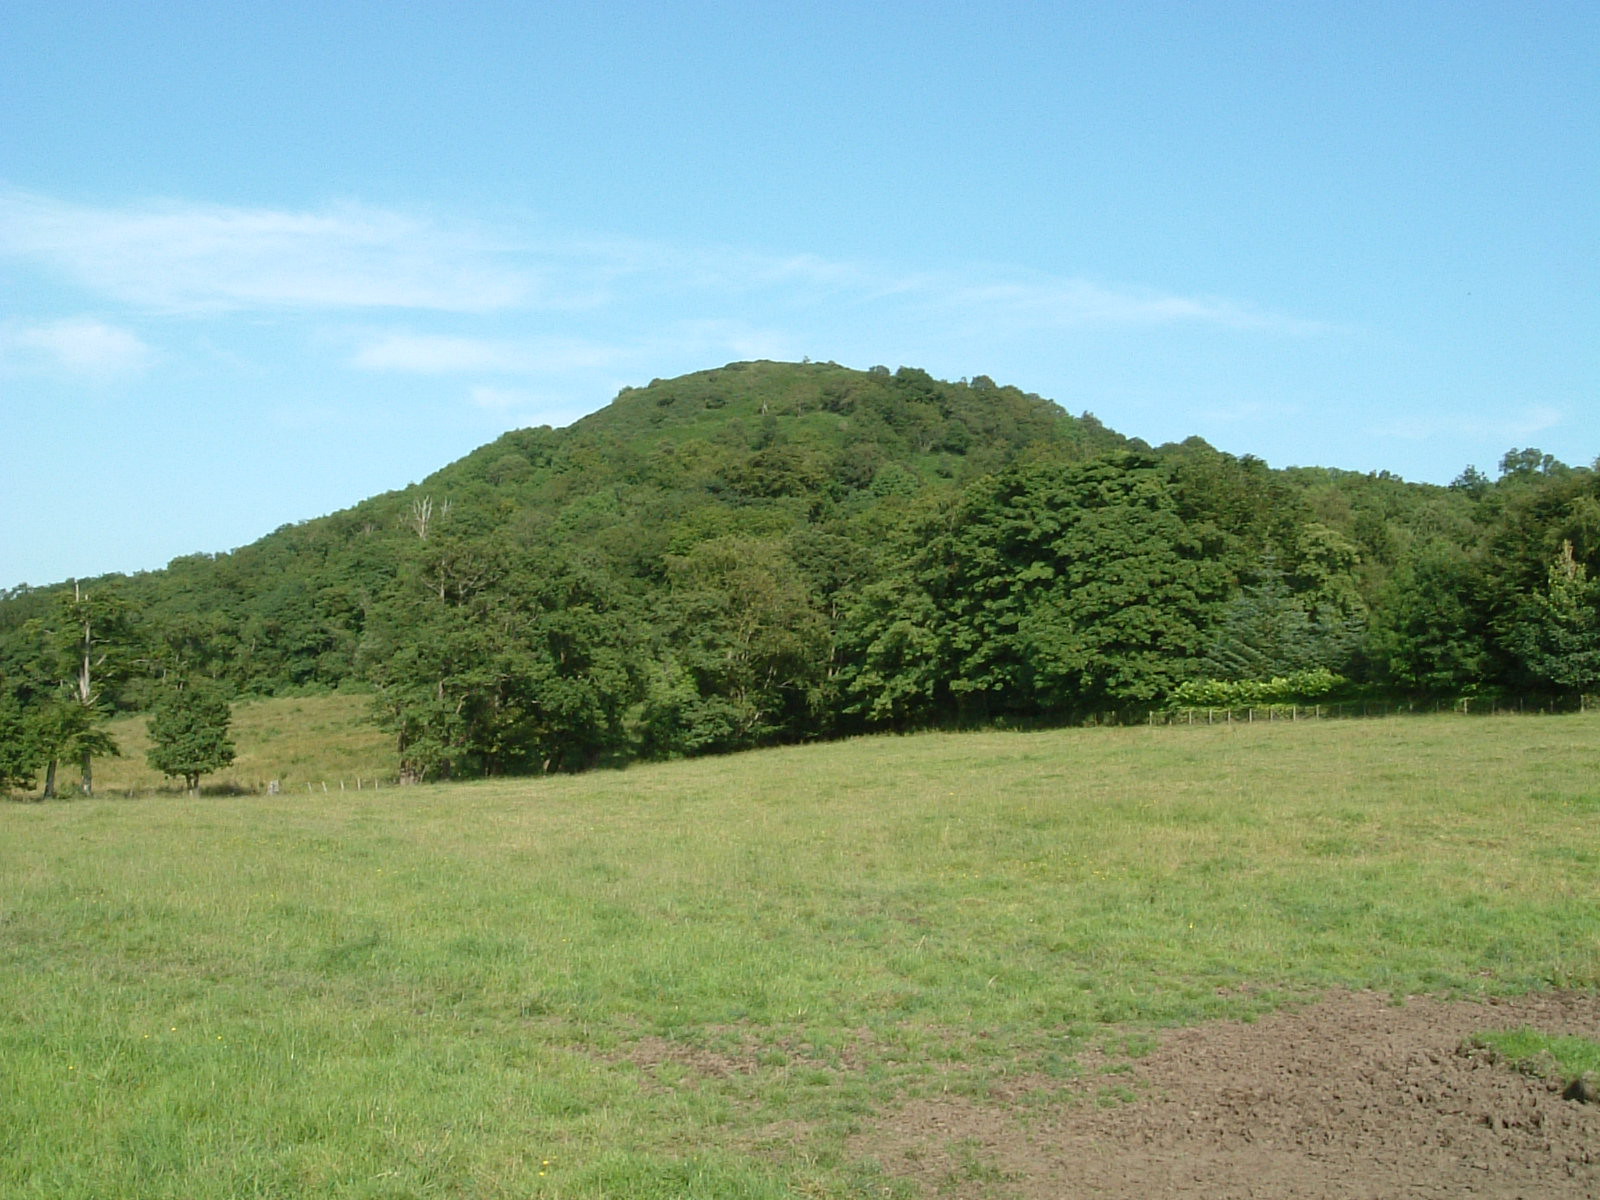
{"type": "Point", "coordinates": [776, 551]}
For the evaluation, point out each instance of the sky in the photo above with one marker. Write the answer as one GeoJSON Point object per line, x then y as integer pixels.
{"type": "Point", "coordinates": [260, 262]}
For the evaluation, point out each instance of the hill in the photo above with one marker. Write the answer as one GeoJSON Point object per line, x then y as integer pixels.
{"type": "Point", "coordinates": [771, 552]}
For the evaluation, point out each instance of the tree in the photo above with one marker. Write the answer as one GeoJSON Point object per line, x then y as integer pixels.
{"type": "Point", "coordinates": [1047, 591]}
{"type": "Point", "coordinates": [890, 639]}
{"type": "Point", "coordinates": [64, 729]}
{"type": "Point", "coordinates": [1525, 464]}
{"type": "Point", "coordinates": [1433, 635]}
{"type": "Point", "coordinates": [19, 748]}
{"type": "Point", "coordinates": [488, 658]}
{"type": "Point", "coordinates": [87, 651]}
{"type": "Point", "coordinates": [1555, 633]}
{"type": "Point", "coordinates": [1263, 633]}
{"type": "Point", "coordinates": [746, 635]}
{"type": "Point", "coordinates": [1280, 625]}
{"type": "Point", "coordinates": [189, 735]}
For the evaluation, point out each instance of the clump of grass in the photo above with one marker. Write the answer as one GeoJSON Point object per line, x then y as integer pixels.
{"type": "Point", "coordinates": [1574, 1062]}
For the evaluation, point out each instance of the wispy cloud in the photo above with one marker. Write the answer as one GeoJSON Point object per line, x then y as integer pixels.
{"type": "Point", "coordinates": [449, 354]}
{"type": "Point", "coordinates": [81, 346]}
{"type": "Point", "coordinates": [500, 399]}
{"type": "Point", "coordinates": [506, 407]}
{"type": "Point", "coordinates": [438, 354]}
{"type": "Point", "coordinates": [617, 300]}
{"type": "Point", "coordinates": [1248, 412]}
{"type": "Point", "coordinates": [185, 257]}
{"type": "Point", "coordinates": [980, 295]}
{"type": "Point", "coordinates": [435, 354]}
{"type": "Point", "coordinates": [1508, 426]}
{"type": "Point", "coordinates": [1049, 303]}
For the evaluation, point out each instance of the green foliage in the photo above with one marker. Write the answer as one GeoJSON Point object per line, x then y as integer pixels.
{"type": "Point", "coordinates": [61, 729]}
{"type": "Point", "coordinates": [488, 658]}
{"type": "Point", "coordinates": [189, 734]}
{"type": "Point", "coordinates": [894, 642]}
{"type": "Point", "coordinates": [1050, 590]}
{"type": "Point", "coordinates": [1266, 631]}
{"type": "Point", "coordinates": [746, 633]}
{"type": "Point", "coordinates": [1555, 632]}
{"type": "Point", "coordinates": [1530, 463]}
{"type": "Point", "coordinates": [1433, 629]}
{"type": "Point", "coordinates": [1299, 687]}
{"type": "Point", "coordinates": [20, 753]}
{"type": "Point", "coordinates": [773, 552]}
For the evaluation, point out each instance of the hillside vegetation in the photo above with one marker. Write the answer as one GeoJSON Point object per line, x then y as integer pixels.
{"type": "Point", "coordinates": [700, 978]}
{"type": "Point", "coordinates": [777, 552]}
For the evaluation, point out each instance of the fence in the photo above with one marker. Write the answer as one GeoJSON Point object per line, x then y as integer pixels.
{"type": "Point", "coordinates": [1357, 709]}
{"type": "Point", "coordinates": [362, 783]}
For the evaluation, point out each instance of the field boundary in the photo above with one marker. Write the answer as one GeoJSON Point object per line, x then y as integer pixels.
{"type": "Point", "coordinates": [1482, 706]}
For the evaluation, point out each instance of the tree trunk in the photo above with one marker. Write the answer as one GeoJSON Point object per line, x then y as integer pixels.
{"type": "Point", "coordinates": [85, 679]}
{"type": "Point", "coordinates": [49, 781]}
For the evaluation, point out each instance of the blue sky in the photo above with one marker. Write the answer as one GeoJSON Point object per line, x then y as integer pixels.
{"type": "Point", "coordinates": [258, 262]}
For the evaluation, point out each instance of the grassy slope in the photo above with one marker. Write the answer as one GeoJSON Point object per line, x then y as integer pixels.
{"type": "Point", "coordinates": [503, 989]}
{"type": "Point", "coordinates": [299, 740]}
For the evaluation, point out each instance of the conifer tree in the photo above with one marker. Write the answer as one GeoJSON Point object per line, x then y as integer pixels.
{"type": "Point", "coordinates": [1556, 632]}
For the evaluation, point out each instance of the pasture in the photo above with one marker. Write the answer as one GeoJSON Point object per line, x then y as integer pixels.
{"type": "Point", "coordinates": [302, 742]}
{"type": "Point", "coordinates": [698, 979]}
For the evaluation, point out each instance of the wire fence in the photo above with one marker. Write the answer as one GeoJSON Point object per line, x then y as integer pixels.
{"type": "Point", "coordinates": [1359, 709]}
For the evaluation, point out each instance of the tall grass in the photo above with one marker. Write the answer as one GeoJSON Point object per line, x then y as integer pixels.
{"type": "Point", "coordinates": [692, 979]}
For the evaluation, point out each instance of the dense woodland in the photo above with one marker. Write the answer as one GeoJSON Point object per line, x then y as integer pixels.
{"type": "Point", "coordinates": [772, 552]}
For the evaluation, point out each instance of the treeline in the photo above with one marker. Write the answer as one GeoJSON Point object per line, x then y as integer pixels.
{"type": "Point", "coordinates": [774, 552]}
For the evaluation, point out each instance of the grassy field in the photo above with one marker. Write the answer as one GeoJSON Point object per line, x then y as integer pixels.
{"type": "Point", "coordinates": [304, 741]}
{"type": "Point", "coordinates": [694, 979]}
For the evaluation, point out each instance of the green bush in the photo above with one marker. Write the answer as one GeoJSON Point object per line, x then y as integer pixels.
{"type": "Point", "coordinates": [1297, 687]}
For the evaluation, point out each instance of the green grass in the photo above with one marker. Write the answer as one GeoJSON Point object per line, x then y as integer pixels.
{"type": "Point", "coordinates": [695, 979]}
{"type": "Point", "coordinates": [1551, 1055]}
{"type": "Point", "coordinates": [303, 741]}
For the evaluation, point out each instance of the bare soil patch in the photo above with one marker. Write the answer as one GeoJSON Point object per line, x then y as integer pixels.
{"type": "Point", "coordinates": [1355, 1096]}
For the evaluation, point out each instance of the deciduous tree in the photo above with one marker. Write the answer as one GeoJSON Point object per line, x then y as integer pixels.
{"type": "Point", "coordinates": [20, 756]}
{"type": "Point", "coordinates": [87, 648]}
{"type": "Point", "coordinates": [189, 734]}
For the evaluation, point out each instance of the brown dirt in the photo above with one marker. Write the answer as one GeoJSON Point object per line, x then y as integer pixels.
{"type": "Point", "coordinates": [1355, 1096]}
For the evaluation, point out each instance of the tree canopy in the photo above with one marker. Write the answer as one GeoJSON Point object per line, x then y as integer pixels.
{"type": "Point", "coordinates": [189, 734]}
{"type": "Point", "coordinates": [771, 552]}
